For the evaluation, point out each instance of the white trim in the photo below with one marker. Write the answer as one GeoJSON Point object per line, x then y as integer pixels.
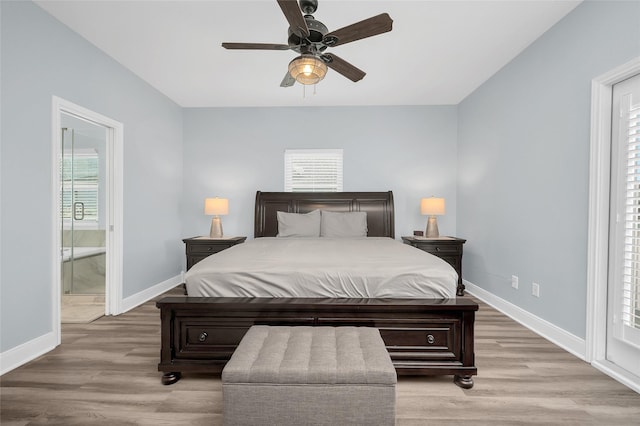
{"type": "Point", "coordinates": [619, 374]}
{"type": "Point", "coordinates": [56, 226]}
{"type": "Point", "coordinates": [28, 351]}
{"type": "Point", "coordinates": [115, 135]}
{"type": "Point", "coordinates": [149, 293]}
{"type": "Point", "coordinates": [567, 341]}
{"type": "Point", "coordinates": [599, 182]}
{"type": "Point", "coordinates": [116, 238]}
{"type": "Point", "coordinates": [598, 222]}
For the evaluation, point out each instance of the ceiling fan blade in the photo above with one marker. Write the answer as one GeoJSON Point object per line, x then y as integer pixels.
{"type": "Point", "coordinates": [288, 81]}
{"type": "Point", "coordinates": [343, 67]}
{"type": "Point", "coordinates": [369, 27]}
{"type": "Point", "coordinates": [294, 16]}
{"type": "Point", "coordinates": [256, 46]}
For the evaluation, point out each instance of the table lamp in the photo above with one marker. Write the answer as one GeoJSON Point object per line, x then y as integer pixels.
{"type": "Point", "coordinates": [432, 207]}
{"type": "Point", "coordinates": [216, 207]}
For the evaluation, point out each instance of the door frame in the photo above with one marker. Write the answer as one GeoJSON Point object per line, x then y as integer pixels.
{"type": "Point", "coordinates": [114, 237]}
{"type": "Point", "coordinates": [598, 238]}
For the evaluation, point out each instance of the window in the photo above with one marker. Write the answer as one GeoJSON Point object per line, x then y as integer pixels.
{"type": "Point", "coordinates": [80, 181]}
{"type": "Point", "coordinates": [313, 170]}
{"type": "Point", "coordinates": [624, 289]}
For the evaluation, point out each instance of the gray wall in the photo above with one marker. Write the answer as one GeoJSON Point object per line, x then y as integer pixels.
{"type": "Point", "coordinates": [40, 58]}
{"type": "Point", "coordinates": [233, 152]}
{"type": "Point", "coordinates": [524, 163]}
{"type": "Point", "coordinates": [511, 160]}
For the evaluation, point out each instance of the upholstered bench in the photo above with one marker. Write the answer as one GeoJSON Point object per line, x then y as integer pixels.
{"type": "Point", "coordinates": [309, 376]}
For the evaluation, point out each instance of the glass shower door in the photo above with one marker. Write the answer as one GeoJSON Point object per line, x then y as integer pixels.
{"type": "Point", "coordinates": [82, 171]}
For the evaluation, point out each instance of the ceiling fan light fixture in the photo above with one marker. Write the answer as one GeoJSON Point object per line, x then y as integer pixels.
{"type": "Point", "coordinates": [307, 69]}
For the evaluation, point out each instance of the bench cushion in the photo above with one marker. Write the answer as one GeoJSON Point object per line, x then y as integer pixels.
{"type": "Point", "coordinates": [323, 355]}
{"type": "Point", "coordinates": [309, 375]}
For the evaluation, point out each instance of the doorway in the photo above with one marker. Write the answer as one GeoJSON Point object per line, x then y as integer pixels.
{"type": "Point", "coordinates": [87, 193]}
{"type": "Point", "coordinates": [83, 199]}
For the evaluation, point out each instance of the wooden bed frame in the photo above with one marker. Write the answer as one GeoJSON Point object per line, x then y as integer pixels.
{"type": "Point", "coordinates": [423, 336]}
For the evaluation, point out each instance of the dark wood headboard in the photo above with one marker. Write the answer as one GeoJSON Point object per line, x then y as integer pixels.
{"type": "Point", "coordinates": [378, 205]}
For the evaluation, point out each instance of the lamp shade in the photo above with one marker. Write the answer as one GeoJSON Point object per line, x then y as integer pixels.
{"type": "Point", "coordinates": [216, 206]}
{"type": "Point", "coordinates": [307, 69]}
{"type": "Point", "coordinates": [432, 206]}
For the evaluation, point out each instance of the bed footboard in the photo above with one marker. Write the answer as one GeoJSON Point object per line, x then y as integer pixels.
{"type": "Point", "coordinates": [423, 337]}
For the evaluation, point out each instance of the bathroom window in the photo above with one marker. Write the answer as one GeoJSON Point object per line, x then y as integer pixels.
{"type": "Point", "coordinates": [80, 182]}
{"type": "Point", "coordinates": [313, 170]}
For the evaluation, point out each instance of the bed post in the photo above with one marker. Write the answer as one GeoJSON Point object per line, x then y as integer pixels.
{"type": "Point", "coordinates": [390, 215]}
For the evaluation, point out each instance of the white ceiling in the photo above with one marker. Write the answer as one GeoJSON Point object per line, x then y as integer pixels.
{"type": "Point", "coordinates": [437, 53]}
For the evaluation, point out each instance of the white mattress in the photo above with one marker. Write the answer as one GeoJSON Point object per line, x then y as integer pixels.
{"type": "Point", "coordinates": [322, 267]}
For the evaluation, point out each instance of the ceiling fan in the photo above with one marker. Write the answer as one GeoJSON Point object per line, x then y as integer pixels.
{"type": "Point", "coordinates": [311, 38]}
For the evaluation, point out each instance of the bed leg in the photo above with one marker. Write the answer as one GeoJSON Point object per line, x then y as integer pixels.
{"type": "Point", "coordinates": [170, 378]}
{"type": "Point", "coordinates": [465, 382]}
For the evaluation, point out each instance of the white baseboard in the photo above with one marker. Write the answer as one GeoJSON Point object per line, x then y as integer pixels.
{"type": "Point", "coordinates": [22, 354]}
{"type": "Point", "coordinates": [148, 294]}
{"type": "Point", "coordinates": [621, 375]}
{"type": "Point", "coordinates": [544, 328]}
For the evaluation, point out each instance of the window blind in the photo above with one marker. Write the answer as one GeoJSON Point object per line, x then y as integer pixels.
{"type": "Point", "coordinates": [313, 170]}
{"type": "Point", "coordinates": [80, 182]}
{"type": "Point", "coordinates": [631, 276]}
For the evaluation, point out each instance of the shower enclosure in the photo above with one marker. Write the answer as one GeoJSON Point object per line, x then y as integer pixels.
{"type": "Point", "coordinates": [82, 196]}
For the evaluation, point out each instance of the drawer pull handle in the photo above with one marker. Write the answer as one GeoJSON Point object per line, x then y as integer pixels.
{"type": "Point", "coordinates": [437, 248]}
{"type": "Point", "coordinates": [430, 339]}
{"type": "Point", "coordinates": [209, 248]}
{"type": "Point", "coordinates": [203, 336]}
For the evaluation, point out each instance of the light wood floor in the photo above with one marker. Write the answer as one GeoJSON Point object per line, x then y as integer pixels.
{"type": "Point", "coordinates": [104, 373]}
{"type": "Point", "coordinates": [81, 308]}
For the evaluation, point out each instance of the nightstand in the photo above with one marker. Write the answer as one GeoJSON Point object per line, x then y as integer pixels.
{"type": "Point", "coordinates": [197, 248]}
{"type": "Point", "coordinates": [446, 248]}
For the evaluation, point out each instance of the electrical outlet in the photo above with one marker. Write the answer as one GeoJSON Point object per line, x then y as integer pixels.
{"type": "Point", "coordinates": [535, 289]}
{"type": "Point", "coordinates": [514, 281]}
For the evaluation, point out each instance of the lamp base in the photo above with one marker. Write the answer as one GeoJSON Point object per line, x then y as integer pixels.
{"type": "Point", "coordinates": [432, 228]}
{"type": "Point", "coordinates": [216, 227]}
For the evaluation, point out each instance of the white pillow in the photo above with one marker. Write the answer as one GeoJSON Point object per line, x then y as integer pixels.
{"type": "Point", "coordinates": [299, 224]}
{"type": "Point", "coordinates": [343, 224]}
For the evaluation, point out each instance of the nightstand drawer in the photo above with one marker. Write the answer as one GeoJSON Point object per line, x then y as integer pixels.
{"type": "Point", "coordinates": [206, 248]}
{"type": "Point", "coordinates": [443, 249]}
